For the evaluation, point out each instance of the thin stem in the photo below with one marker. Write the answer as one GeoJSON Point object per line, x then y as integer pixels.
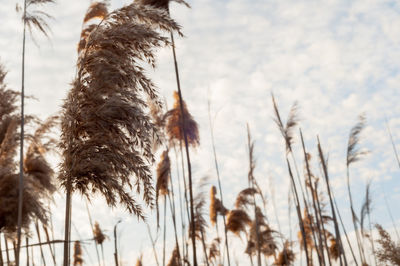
{"type": "Point", "coordinates": [153, 243]}
{"type": "Point", "coordinates": [92, 228]}
{"type": "Point", "coordinates": [187, 151]}
{"type": "Point", "coordinates": [67, 223]}
{"type": "Point", "coordinates": [40, 241]}
{"type": "Point", "coordinates": [219, 179]}
{"type": "Point", "coordinates": [21, 153]}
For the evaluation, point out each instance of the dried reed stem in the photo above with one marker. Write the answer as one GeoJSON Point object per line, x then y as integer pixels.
{"type": "Point", "coordinates": [219, 181]}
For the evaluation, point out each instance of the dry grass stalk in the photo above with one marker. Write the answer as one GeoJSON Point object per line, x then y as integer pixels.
{"type": "Point", "coordinates": [78, 260]}
{"type": "Point", "coordinates": [389, 251]}
{"type": "Point", "coordinates": [175, 124]}
{"type": "Point", "coordinates": [216, 206]}
{"type": "Point", "coordinates": [286, 257]}
{"type": "Point", "coordinates": [107, 135]}
{"type": "Point", "coordinates": [237, 220]}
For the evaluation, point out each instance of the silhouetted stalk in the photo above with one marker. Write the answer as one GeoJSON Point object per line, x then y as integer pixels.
{"type": "Point", "coordinates": [371, 238]}
{"type": "Point", "coordinates": [393, 145]}
{"type": "Point", "coordinates": [153, 244]}
{"type": "Point", "coordinates": [250, 146]}
{"type": "Point", "coordinates": [15, 249]}
{"type": "Point", "coordinates": [92, 228]}
{"type": "Point", "coordinates": [187, 150]}
{"type": "Point", "coordinates": [21, 153]}
{"type": "Point", "coordinates": [219, 181]}
{"type": "Point", "coordinates": [165, 228]}
{"type": "Point", "coordinates": [203, 242]}
{"type": "Point", "coordinates": [52, 230]}
{"type": "Point", "coordinates": [391, 216]}
{"type": "Point", "coordinates": [67, 223]}
{"type": "Point", "coordinates": [323, 226]}
{"type": "Point", "coordinates": [354, 219]}
{"type": "Point", "coordinates": [46, 231]}
{"type": "Point", "coordinates": [331, 199]}
{"type": "Point", "coordinates": [297, 203]}
{"type": "Point", "coordinates": [317, 216]}
{"type": "Point", "coordinates": [7, 252]}
{"type": "Point", "coordinates": [115, 244]}
{"type": "Point", "coordinates": [40, 241]}
{"type": "Point", "coordinates": [27, 252]}
{"type": "Point", "coordinates": [172, 209]}
{"type": "Point", "coordinates": [1, 252]}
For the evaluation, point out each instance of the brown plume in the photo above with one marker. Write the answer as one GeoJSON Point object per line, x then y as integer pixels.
{"type": "Point", "coordinates": [214, 251]}
{"type": "Point", "coordinates": [286, 257]}
{"type": "Point", "coordinates": [174, 124]}
{"type": "Point", "coordinates": [97, 10]}
{"type": "Point", "coordinates": [163, 4]}
{"type": "Point", "coordinates": [37, 18]}
{"type": "Point", "coordinates": [237, 220]}
{"type": "Point", "coordinates": [77, 254]}
{"type": "Point", "coordinates": [99, 236]}
{"type": "Point", "coordinates": [389, 251]}
{"type": "Point", "coordinates": [174, 260]}
{"type": "Point", "coordinates": [107, 135]}
{"type": "Point", "coordinates": [216, 206]}
{"type": "Point", "coordinates": [245, 198]}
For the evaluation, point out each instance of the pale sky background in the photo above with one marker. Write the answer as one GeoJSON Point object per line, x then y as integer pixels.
{"type": "Point", "coordinates": [338, 59]}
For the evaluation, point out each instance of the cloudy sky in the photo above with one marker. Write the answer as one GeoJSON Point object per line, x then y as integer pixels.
{"type": "Point", "coordinates": [337, 59]}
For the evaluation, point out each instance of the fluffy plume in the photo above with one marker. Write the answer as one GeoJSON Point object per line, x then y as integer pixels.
{"type": "Point", "coordinates": [107, 136]}
{"type": "Point", "coordinates": [214, 251]}
{"type": "Point", "coordinates": [96, 11]}
{"type": "Point", "coordinates": [199, 220]}
{"type": "Point", "coordinates": [353, 152]}
{"type": "Point", "coordinates": [286, 257]}
{"type": "Point", "coordinates": [389, 251]}
{"type": "Point", "coordinates": [163, 174]}
{"type": "Point", "coordinates": [9, 179]}
{"type": "Point", "coordinates": [264, 235]}
{"type": "Point", "coordinates": [244, 198]}
{"type": "Point", "coordinates": [292, 120]}
{"type": "Point", "coordinates": [216, 206]}
{"type": "Point", "coordinates": [174, 124]}
{"type": "Point", "coordinates": [99, 236]}
{"type": "Point", "coordinates": [163, 4]}
{"type": "Point", "coordinates": [366, 208]}
{"type": "Point", "coordinates": [237, 220]}
{"type": "Point", "coordinates": [174, 260]}
{"type": "Point", "coordinates": [35, 163]}
{"type": "Point", "coordinates": [334, 248]}
{"type": "Point", "coordinates": [77, 254]}
{"type": "Point", "coordinates": [37, 18]}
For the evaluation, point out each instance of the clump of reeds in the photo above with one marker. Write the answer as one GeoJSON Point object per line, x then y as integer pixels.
{"type": "Point", "coordinates": [106, 133]}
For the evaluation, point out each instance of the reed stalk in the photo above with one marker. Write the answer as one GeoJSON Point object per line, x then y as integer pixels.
{"type": "Point", "coordinates": [40, 241]}
{"type": "Point", "coordinates": [92, 228]}
{"type": "Point", "coordinates": [186, 149]}
{"type": "Point", "coordinates": [219, 180]}
{"type": "Point", "coordinates": [331, 201]}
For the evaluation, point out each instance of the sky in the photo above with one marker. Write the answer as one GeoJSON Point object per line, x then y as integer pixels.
{"type": "Point", "coordinates": [336, 59]}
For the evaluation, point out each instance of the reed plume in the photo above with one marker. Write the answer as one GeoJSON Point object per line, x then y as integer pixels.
{"type": "Point", "coordinates": [214, 250]}
{"type": "Point", "coordinates": [245, 198]}
{"type": "Point", "coordinates": [286, 257]}
{"type": "Point", "coordinates": [98, 234]}
{"type": "Point", "coordinates": [139, 261]}
{"type": "Point", "coordinates": [216, 206]}
{"type": "Point", "coordinates": [175, 258]}
{"type": "Point", "coordinates": [35, 18]}
{"type": "Point", "coordinates": [163, 175]}
{"type": "Point", "coordinates": [175, 124]}
{"type": "Point", "coordinates": [77, 254]}
{"type": "Point", "coordinates": [389, 251]}
{"type": "Point", "coordinates": [106, 134]}
{"type": "Point", "coordinates": [96, 11]}
{"type": "Point", "coordinates": [237, 220]}
{"type": "Point", "coordinates": [261, 232]}
{"type": "Point", "coordinates": [162, 4]}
